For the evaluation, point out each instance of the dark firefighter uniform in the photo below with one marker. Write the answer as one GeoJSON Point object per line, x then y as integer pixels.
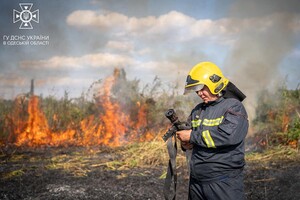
{"type": "Point", "coordinates": [218, 132]}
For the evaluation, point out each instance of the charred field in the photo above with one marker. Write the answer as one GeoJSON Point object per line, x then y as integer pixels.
{"type": "Point", "coordinates": [131, 172]}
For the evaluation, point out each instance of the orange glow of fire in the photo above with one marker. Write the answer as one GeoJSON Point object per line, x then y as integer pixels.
{"type": "Point", "coordinates": [115, 122]}
{"type": "Point", "coordinates": [37, 130]}
{"type": "Point", "coordinates": [112, 128]}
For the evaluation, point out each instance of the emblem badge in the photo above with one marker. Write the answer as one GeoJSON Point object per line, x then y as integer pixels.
{"type": "Point", "coordinates": [25, 16]}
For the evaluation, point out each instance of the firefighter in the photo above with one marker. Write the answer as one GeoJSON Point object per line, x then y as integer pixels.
{"type": "Point", "coordinates": [219, 127]}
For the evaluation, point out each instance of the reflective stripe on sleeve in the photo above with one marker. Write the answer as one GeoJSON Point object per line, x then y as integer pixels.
{"type": "Point", "coordinates": [208, 139]}
{"type": "Point", "coordinates": [196, 123]}
{"type": "Point", "coordinates": [212, 122]}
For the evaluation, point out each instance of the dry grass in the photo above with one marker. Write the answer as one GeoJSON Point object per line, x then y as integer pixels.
{"type": "Point", "coordinates": [274, 153]}
{"type": "Point", "coordinates": [80, 161]}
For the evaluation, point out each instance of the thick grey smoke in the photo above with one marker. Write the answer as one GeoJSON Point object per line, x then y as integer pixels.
{"type": "Point", "coordinates": [255, 58]}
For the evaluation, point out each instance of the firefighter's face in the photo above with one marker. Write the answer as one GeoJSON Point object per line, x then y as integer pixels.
{"type": "Point", "coordinates": [206, 95]}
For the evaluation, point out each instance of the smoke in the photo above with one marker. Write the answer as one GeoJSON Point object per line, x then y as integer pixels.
{"type": "Point", "coordinates": [254, 61]}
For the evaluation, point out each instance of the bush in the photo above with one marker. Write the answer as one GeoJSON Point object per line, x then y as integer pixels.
{"type": "Point", "coordinates": [277, 115]}
{"type": "Point", "coordinates": [294, 131]}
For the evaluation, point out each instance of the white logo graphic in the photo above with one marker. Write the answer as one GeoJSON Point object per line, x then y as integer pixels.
{"type": "Point", "coordinates": [26, 16]}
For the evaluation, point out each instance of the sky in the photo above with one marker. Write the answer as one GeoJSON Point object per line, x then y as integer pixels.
{"type": "Point", "coordinates": [256, 43]}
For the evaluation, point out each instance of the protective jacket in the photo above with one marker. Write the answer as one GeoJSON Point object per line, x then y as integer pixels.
{"type": "Point", "coordinates": [218, 132]}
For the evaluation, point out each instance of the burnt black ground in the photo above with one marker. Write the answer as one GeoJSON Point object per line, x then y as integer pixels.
{"type": "Point", "coordinates": [33, 179]}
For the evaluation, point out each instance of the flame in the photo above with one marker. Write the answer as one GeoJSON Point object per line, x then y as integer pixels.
{"type": "Point", "coordinates": [285, 122]}
{"type": "Point", "coordinates": [115, 122]}
{"type": "Point", "coordinates": [37, 130]}
{"type": "Point", "coordinates": [142, 117]}
{"type": "Point", "coordinates": [113, 127]}
{"type": "Point", "coordinates": [293, 144]}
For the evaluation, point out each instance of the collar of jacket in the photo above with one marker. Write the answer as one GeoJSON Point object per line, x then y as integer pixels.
{"type": "Point", "coordinates": [211, 103]}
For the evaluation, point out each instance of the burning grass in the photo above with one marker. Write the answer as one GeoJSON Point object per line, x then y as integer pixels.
{"type": "Point", "coordinates": [106, 120]}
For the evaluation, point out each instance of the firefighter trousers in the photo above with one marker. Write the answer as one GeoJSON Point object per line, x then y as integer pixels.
{"type": "Point", "coordinates": [228, 187]}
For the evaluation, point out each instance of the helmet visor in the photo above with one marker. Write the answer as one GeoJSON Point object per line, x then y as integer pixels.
{"type": "Point", "coordinates": [194, 88]}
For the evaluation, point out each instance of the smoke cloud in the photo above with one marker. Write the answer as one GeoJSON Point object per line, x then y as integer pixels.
{"type": "Point", "coordinates": [256, 56]}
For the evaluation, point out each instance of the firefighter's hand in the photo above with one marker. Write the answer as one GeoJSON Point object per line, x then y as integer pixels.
{"type": "Point", "coordinates": [184, 135]}
{"type": "Point", "coordinates": [186, 145]}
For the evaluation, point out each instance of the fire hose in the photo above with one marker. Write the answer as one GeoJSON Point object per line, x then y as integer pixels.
{"type": "Point", "coordinates": [172, 151]}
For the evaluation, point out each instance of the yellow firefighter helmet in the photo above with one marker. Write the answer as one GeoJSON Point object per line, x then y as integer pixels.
{"type": "Point", "coordinates": [205, 73]}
